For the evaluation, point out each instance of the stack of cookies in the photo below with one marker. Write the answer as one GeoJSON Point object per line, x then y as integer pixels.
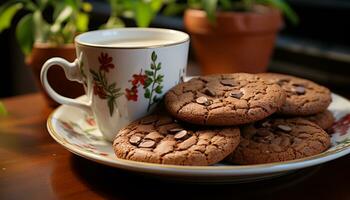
{"type": "Point", "coordinates": [240, 118]}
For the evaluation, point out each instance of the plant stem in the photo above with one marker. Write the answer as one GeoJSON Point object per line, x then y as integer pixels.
{"type": "Point", "coordinates": [150, 103]}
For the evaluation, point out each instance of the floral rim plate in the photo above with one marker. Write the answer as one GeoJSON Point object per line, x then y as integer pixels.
{"type": "Point", "coordinates": [76, 131]}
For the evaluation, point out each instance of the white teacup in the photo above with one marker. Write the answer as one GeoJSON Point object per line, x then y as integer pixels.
{"type": "Point", "coordinates": [125, 72]}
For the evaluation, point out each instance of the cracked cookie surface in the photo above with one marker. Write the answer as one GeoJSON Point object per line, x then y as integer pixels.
{"type": "Point", "coordinates": [158, 138]}
{"type": "Point", "coordinates": [324, 119]}
{"type": "Point", "coordinates": [227, 99]}
{"type": "Point", "coordinates": [304, 97]}
{"type": "Point", "coordinates": [276, 140]}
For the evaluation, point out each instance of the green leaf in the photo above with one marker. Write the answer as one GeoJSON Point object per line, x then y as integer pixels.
{"type": "Point", "coordinates": [154, 56]}
{"type": "Point", "coordinates": [41, 28]}
{"type": "Point", "coordinates": [3, 111]}
{"type": "Point", "coordinates": [153, 66]}
{"type": "Point", "coordinates": [112, 86]}
{"type": "Point", "coordinates": [113, 22]}
{"type": "Point", "coordinates": [74, 4]}
{"type": "Point", "coordinates": [30, 5]}
{"type": "Point", "coordinates": [82, 22]}
{"type": "Point", "coordinates": [143, 14]}
{"type": "Point", "coordinates": [148, 73]}
{"type": "Point", "coordinates": [159, 78]}
{"type": "Point", "coordinates": [7, 14]}
{"type": "Point", "coordinates": [119, 94]}
{"type": "Point", "coordinates": [86, 7]}
{"type": "Point", "coordinates": [63, 16]}
{"type": "Point", "coordinates": [67, 33]}
{"type": "Point", "coordinates": [155, 99]}
{"type": "Point", "coordinates": [285, 8]}
{"type": "Point", "coordinates": [111, 103]}
{"type": "Point", "coordinates": [147, 93]}
{"type": "Point", "coordinates": [116, 90]}
{"type": "Point", "coordinates": [25, 33]}
{"type": "Point", "coordinates": [226, 4]}
{"type": "Point", "coordinates": [42, 3]}
{"type": "Point", "coordinates": [159, 89]}
{"type": "Point", "coordinates": [159, 66]}
{"type": "Point", "coordinates": [156, 5]}
{"type": "Point", "coordinates": [174, 9]}
{"type": "Point", "coordinates": [59, 6]}
{"type": "Point", "coordinates": [95, 75]}
{"type": "Point", "coordinates": [210, 8]}
{"type": "Point", "coordinates": [195, 4]}
{"type": "Point", "coordinates": [148, 82]}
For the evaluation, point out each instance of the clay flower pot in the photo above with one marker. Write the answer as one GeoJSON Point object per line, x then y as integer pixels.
{"type": "Point", "coordinates": [57, 79]}
{"type": "Point", "coordinates": [236, 42]}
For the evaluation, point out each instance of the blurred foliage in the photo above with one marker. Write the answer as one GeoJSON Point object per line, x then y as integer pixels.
{"type": "Point", "coordinates": [3, 111]}
{"type": "Point", "coordinates": [142, 11]}
{"type": "Point", "coordinates": [211, 6]}
{"type": "Point", "coordinates": [69, 17]}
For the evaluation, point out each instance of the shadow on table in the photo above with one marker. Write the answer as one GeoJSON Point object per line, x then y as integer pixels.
{"type": "Point", "coordinates": [112, 183]}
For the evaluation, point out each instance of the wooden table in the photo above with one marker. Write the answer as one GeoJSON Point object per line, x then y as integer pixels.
{"type": "Point", "coordinates": [34, 166]}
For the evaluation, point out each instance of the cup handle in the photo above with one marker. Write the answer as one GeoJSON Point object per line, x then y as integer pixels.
{"type": "Point", "coordinates": [72, 73]}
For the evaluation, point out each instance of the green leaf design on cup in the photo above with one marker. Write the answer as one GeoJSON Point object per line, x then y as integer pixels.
{"type": "Point", "coordinates": [153, 84]}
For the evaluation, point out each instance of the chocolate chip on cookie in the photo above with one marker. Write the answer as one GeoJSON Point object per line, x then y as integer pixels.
{"type": "Point", "coordinates": [227, 99]}
{"type": "Point", "coordinates": [174, 143]}
{"type": "Point", "coordinates": [209, 92]}
{"type": "Point", "coordinates": [285, 139]}
{"type": "Point", "coordinates": [304, 97]}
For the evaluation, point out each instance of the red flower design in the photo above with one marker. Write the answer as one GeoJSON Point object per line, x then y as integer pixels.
{"type": "Point", "coordinates": [343, 125]}
{"type": "Point", "coordinates": [98, 90]}
{"type": "Point", "coordinates": [138, 78]}
{"type": "Point", "coordinates": [90, 121]}
{"type": "Point", "coordinates": [67, 125]}
{"type": "Point", "coordinates": [131, 95]}
{"type": "Point", "coordinates": [106, 62]}
{"type": "Point", "coordinates": [103, 154]}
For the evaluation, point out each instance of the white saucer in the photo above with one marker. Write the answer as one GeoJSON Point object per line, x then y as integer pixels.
{"type": "Point", "coordinates": [77, 132]}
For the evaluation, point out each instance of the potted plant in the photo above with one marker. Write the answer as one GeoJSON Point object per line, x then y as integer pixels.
{"type": "Point", "coordinates": [234, 35]}
{"type": "Point", "coordinates": [40, 39]}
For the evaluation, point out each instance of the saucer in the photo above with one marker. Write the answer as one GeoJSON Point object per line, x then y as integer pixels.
{"type": "Point", "coordinates": [75, 130]}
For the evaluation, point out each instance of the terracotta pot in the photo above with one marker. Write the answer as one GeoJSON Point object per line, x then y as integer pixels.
{"type": "Point", "coordinates": [237, 42]}
{"type": "Point", "coordinates": [56, 76]}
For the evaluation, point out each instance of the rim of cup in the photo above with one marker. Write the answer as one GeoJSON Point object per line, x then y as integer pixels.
{"type": "Point", "coordinates": [104, 38]}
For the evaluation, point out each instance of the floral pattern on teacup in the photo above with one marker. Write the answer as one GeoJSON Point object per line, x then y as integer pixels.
{"type": "Point", "coordinates": [136, 81]}
{"type": "Point", "coordinates": [151, 81]}
{"type": "Point", "coordinates": [101, 87]}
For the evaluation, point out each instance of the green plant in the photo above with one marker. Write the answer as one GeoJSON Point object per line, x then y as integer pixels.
{"type": "Point", "coordinates": [69, 17]}
{"type": "Point", "coordinates": [142, 11]}
{"type": "Point", "coordinates": [3, 111]}
{"type": "Point", "coordinates": [211, 6]}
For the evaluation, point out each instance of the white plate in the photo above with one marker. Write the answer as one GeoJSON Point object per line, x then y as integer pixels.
{"type": "Point", "coordinates": [77, 132]}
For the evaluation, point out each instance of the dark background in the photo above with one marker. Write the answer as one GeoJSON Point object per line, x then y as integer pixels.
{"type": "Point", "coordinates": [318, 48]}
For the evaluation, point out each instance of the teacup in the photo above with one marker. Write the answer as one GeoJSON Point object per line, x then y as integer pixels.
{"type": "Point", "coordinates": [125, 73]}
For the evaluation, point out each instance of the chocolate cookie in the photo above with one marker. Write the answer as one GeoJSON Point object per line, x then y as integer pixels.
{"type": "Point", "coordinates": [324, 119]}
{"type": "Point", "coordinates": [276, 140]}
{"type": "Point", "coordinates": [304, 97]}
{"type": "Point", "coordinates": [161, 139]}
{"type": "Point", "coordinates": [228, 99]}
